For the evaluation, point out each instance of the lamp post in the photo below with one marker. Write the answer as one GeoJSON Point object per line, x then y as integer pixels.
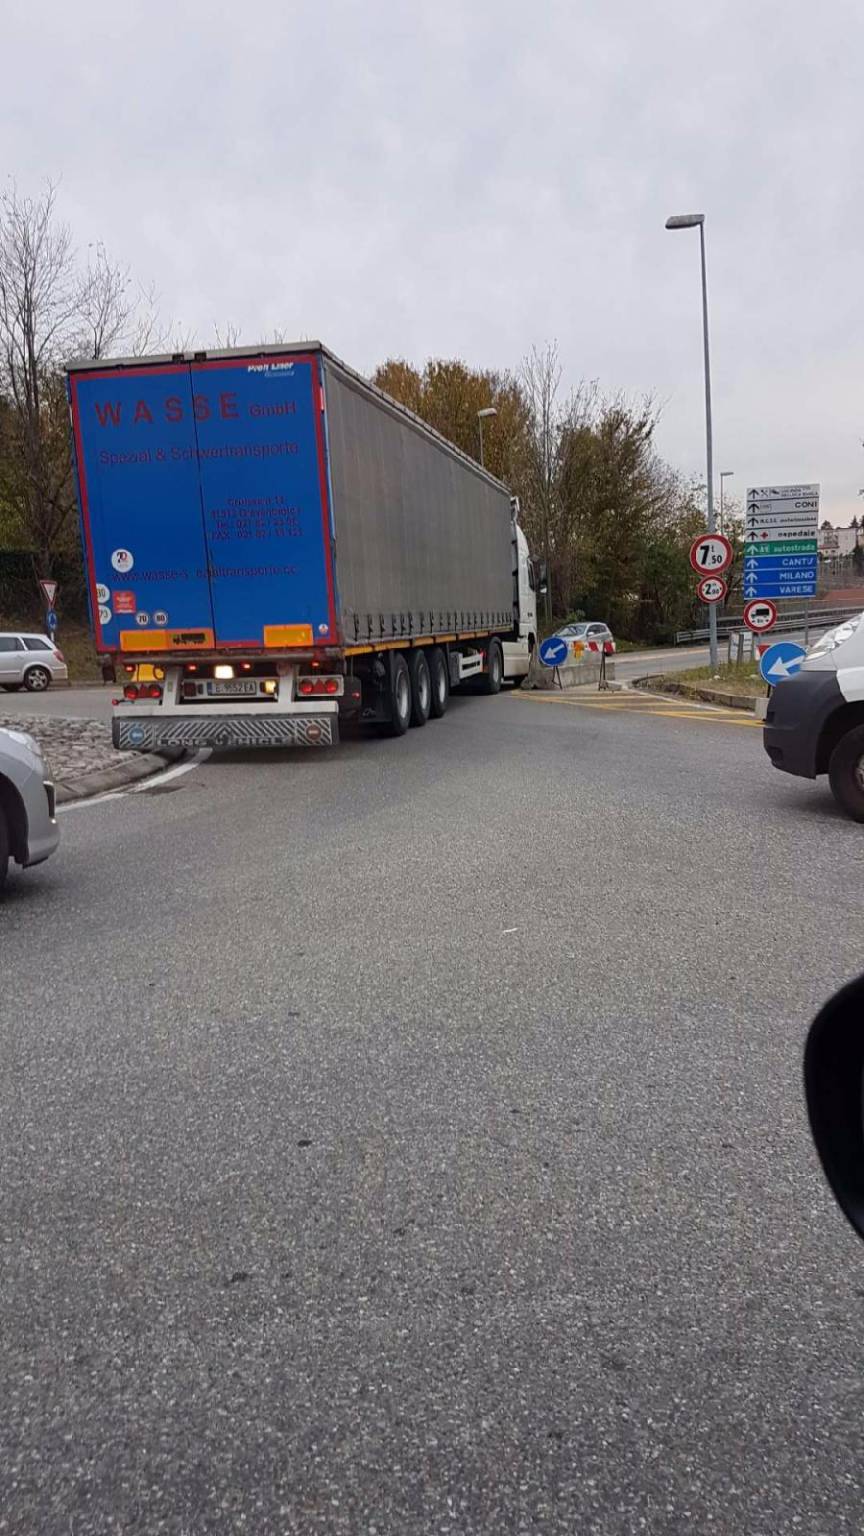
{"type": "Point", "coordinates": [724, 475]}
{"type": "Point", "coordinates": [487, 411]}
{"type": "Point", "coordinates": [697, 221]}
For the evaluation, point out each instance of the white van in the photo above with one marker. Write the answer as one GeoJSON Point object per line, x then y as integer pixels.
{"type": "Point", "coordinates": [814, 722]}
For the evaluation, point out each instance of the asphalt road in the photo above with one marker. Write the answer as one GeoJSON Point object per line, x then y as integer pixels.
{"type": "Point", "coordinates": [409, 1139]}
{"type": "Point", "coordinates": [72, 703]}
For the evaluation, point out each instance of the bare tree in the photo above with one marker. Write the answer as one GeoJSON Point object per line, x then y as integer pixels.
{"type": "Point", "coordinates": [39, 297]}
{"type": "Point", "coordinates": [147, 332]}
{"type": "Point", "coordinates": [540, 378]}
{"type": "Point", "coordinates": [227, 335]}
{"type": "Point", "coordinates": [103, 304]}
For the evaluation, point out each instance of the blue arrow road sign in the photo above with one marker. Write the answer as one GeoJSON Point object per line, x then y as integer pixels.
{"type": "Point", "coordinates": [772, 586]}
{"type": "Point", "coordinates": [781, 661]}
{"type": "Point", "coordinates": [51, 620]}
{"type": "Point", "coordinates": [790, 563]}
{"type": "Point", "coordinates": [554, 651]}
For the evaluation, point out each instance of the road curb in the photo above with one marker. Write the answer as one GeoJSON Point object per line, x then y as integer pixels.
{"type": "Point", "coordinates": [101, 780]}
{"type": "Point", "coordinates": [665, 684]}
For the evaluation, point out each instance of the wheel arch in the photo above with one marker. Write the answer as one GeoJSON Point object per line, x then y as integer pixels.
{"type": "Point", "coordinates": [841, 720]}
{"type": "Point", "coordinates": [16, 819]}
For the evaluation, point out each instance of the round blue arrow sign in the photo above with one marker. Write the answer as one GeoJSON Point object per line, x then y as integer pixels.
{"type": "Point", "coordinates": [780, 661]}
{"type": "Point", "coordinates": [554, 651]}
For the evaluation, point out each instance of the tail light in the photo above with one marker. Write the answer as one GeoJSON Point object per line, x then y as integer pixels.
{"type": "Point", "coordinates": [307, 686]}
{"type": "Point", "coordinates": [134, 691]}
{"type": "Point", "coordinates": [59, 654]}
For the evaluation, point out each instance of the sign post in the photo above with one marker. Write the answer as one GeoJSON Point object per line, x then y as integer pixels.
{"type": "Point", "coordinates": [49, 590]}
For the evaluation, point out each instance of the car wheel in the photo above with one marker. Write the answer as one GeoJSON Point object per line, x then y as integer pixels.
{"type": "Point", "coordinates": [421, 687]}
{"type": "Point", "coordinates": [400, 697]}
{"type": "Point", "coordinates": [439, 681]}
{"type": "Point", "coordinates": [37, 679]}
{"type": "Point", "coordinates": [4, 847]}
{"type": "Point", "coordinates": [846, 773]}
{"type": "Point", "coordinates": [494, 668]}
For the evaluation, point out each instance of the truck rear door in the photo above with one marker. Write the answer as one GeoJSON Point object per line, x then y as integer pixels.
{"type": "Point", "coordinates": [140, 493]}
{"type": "Point", "coordinates": [263, 499]}
{"type": "Point", "coordinates": [204, 504]}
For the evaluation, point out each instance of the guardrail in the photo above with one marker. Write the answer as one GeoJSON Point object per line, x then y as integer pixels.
{"type": "Point", "coordinates": [818, 618]}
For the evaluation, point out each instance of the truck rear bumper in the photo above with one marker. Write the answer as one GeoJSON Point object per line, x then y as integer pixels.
{"type": "Point", "coordinates": [148, 733]}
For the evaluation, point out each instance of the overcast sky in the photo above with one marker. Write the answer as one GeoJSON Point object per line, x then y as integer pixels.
{"type": "Point", "coordinates": [469, 179]}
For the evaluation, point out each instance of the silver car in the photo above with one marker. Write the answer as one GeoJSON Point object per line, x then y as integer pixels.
{"type": "Point", "coordinates": [30, 661]}
{"type": "Point", "coordinates": [591, 635]}
{"type": "Point", "coordinates": [28, 818]}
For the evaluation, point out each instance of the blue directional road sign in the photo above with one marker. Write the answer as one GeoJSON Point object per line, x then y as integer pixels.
{"type": "Point", "coordinates": [51, 620]}
{"type": "Point", "coordinates": [791, 565]}
{"type": "Point", "coordinates": [554, 651]}
{"type": "Point", "coordinates": [779, 586]}
{"type": "Point", "coordinates": [781, 660]}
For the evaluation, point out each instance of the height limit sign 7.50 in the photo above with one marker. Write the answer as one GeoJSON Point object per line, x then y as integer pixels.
{"type": "Point", "coordinates": [711, 554]}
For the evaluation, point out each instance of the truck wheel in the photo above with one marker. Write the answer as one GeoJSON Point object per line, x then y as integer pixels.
{"type": "Point", "coordinates": [4, 847]}
{"type": "Point", "coordinates": [494, 668]}
{"type": "Point", "coordinates": [421, 687]}
{"type": "Point", "coordinates": [400, 697]}
{"type": "Point", "coordinates": [846, 773]}
{"type": "Point", "coordinates": [440, 682]}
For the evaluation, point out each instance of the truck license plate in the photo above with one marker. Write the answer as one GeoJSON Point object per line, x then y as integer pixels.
{"type": "Point", "coordinates": [238, 687]}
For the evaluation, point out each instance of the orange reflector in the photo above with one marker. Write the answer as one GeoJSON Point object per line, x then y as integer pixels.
{"type": "Point", "coordinates": [166, 640]}
{"type": "Point", "coordinates": [278, 635]}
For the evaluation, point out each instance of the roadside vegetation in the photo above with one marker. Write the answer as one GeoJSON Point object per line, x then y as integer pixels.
{"type": "Point", "coordinates": [738, 678]}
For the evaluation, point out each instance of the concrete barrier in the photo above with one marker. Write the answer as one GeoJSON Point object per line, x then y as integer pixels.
{"type": "Point", "coordinates": [576, 674]}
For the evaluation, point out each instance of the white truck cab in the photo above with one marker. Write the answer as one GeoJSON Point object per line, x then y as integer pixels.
{"type": "Point", "coordinates": [814, 722]}
{"type": "Point", "coordinates": [517, 651]}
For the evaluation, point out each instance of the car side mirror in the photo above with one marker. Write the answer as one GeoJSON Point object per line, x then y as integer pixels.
{"type": "Point", "coordinates": [833, 1082]}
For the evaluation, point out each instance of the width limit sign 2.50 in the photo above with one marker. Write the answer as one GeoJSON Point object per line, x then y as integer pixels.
{"type": "Point", "coordinates": [711, 554]}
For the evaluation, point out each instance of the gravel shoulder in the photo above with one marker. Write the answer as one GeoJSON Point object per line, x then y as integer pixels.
{"type": "Point", "coordinates": [80, 756]}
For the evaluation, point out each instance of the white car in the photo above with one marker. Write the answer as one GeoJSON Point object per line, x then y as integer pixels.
{"type": "Point", "coordinates": [30, 661]}
{"type": "Point", "coordinates": [28, 817]}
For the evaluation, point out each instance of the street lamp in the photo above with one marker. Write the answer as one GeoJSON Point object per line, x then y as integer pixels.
{"type": "Point", "coordinates": [724, 475]}
{"type": "Point", "coordinates": [487, 411]}
{"type": "Point", "coordinates": [693, 221]}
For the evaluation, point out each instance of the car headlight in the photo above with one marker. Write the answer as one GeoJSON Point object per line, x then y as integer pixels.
{"type": "Point", "coordinates": [834, 637]}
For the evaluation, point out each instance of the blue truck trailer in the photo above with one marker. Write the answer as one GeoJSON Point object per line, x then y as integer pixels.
{"type": "Point", "coordinates": [273, 544]}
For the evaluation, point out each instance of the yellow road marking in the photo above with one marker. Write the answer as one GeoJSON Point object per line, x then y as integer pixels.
{"type": "Point", "coordinates": [623, 704]}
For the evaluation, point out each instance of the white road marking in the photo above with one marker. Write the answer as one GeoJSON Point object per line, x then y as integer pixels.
{"type": "Point", "coordinates": [136, 789]}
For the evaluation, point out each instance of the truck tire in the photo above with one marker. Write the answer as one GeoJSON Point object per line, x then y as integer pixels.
{"type": "Point", "coordinates": [421, 687]}
{"type": "Point", "coordinates": [4, 847]}
{"type": "Point", "coordinates": [846, 773]}
{"type": "Point", "coordinates": [440, 682]}
{"type": "Point", "coordinates": [494, 675]}
{"type": "Point", "coordinates": [400, 697]}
